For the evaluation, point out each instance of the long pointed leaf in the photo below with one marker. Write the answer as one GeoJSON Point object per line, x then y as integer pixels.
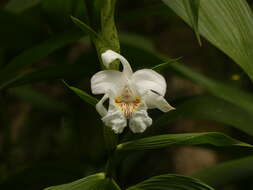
{"type": "Point", "coordinates": [171, 181]}
{"type": "Point", "coordinates": [227, 24]}
{"type": "Point", "coordinates": [161, 141]}
{"type": "Point", "coordinates": [83, 95]}
{"type": "Point", "coordinates": [93, 182]}
{"type": "Point", "coordinates": [84, 27]}
{"type": "Point", "coordinates": [192, 10]}
{"type": "Point", "coordinates": [227, 172]}
{"type": "Point", "coordinates": [212, 108]}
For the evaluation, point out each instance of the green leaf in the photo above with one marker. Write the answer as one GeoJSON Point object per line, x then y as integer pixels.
{"type": "Point", "coordinates": [227, 172]}
{"type": "Point", "coordinates": [161, 67]}
{"type": "Point", "coordinates": [161, 141]}
{"type": "Point", "coordinates": [83, 95]}
{"type": "Point", "coordinates": [34, 54]}
{"type": "Point", "coordinates": [227, 24]}
{"type": "Point", "coordinates": [111, 139]}
{"type": "Point", "coordinates": [212, 108]}
{"type": "Point", "coordinates": [39, 99]}
{"type": "Point", "coordinates": [18, 6]}
{"type": "Point", "coordinates": [192, 10]}
{"type": "Point", "coordinates": [229, 93]}
{"type": "Point", "coordinates": [84, 27]}
{"type": "Point", "coordinates": [93, 182]}
{"type": "Point", "coordinates": [171, 181]}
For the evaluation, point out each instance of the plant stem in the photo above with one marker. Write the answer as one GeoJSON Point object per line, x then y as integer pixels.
{"type": "Point", "coordinates": [108, 33]}
{"type": "Point", "coordinates": [108, 28]}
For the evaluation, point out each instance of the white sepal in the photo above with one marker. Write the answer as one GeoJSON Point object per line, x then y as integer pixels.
{"type": "Point", "coordinates": [107, 81]}
{"type": "Point", "coordinates": [147, 79]}
{"type": "Point", "coordinates": [154, 100]}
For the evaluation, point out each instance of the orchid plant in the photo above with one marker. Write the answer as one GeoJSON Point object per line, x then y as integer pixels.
{"type": "Point", "coordinates": [119, 121]}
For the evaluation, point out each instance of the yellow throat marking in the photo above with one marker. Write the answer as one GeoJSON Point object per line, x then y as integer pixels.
{"type": "Point", "coordinates": [127, 107]}
{"type": "Point", "coordinates": [127, 102]}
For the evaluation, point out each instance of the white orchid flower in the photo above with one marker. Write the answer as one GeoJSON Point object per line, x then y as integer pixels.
{"type": "Point", "coordinates": [130, 94]}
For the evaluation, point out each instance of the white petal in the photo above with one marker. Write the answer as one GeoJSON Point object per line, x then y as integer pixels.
{"type": "Point", "coordinates": [109, 56]}
{"type": "Point", "coordinates": [147, 79]}
{"type": "Point", "coordinates": [116, 120]}
{"type": "Point", "coordinates": [154, 100]}
{"type": "Point", "coordinates": [107, 81]}
{"type": "Point", "coordinates": [139, 121]}
{"type": "Point", "coordinates": [100, 106]}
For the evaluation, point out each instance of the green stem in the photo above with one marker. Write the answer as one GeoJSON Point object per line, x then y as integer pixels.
{"type": "Point", "coordinates": [108, 28]}
{"type": "Point", "coordinates": [111, 140]}
{"type": "Point", "coordinates": [110, 167]}
{"type": "Point", "coordinates": [108, 33]}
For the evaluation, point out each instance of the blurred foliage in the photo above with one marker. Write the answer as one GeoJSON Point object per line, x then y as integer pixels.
{"type": "Point", "coordinates": [50, 136]}
{"type": "Point", "coordinates": [171, 182]}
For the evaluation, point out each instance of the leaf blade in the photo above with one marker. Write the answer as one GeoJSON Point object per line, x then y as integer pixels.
{"type": "Point", "coordinates": [84, 27]}
{"type": "Point", "coordinates": [161, 141]}
{"type": "Point", "coordinates": [92, 182]}
{"type": "Point", "coordinates": [227, 172]}
{"type": "Point", "coordinates": [171, 181]}
{"type": "Point", "coordinates": [226, 24]}
{"type": "Point", "coordinates": [83, 95]}
{"type": "Point", "coordinates": [212, 108]}
{"type": "Point", "coordinates": [192, 10]}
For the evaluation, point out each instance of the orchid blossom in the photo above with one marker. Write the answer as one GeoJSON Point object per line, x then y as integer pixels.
{"type": "Point", "coordinates": [130, 94]}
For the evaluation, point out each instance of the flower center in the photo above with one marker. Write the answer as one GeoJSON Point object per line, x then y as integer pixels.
{"type": "Point", "coordinates": [127, 102]}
